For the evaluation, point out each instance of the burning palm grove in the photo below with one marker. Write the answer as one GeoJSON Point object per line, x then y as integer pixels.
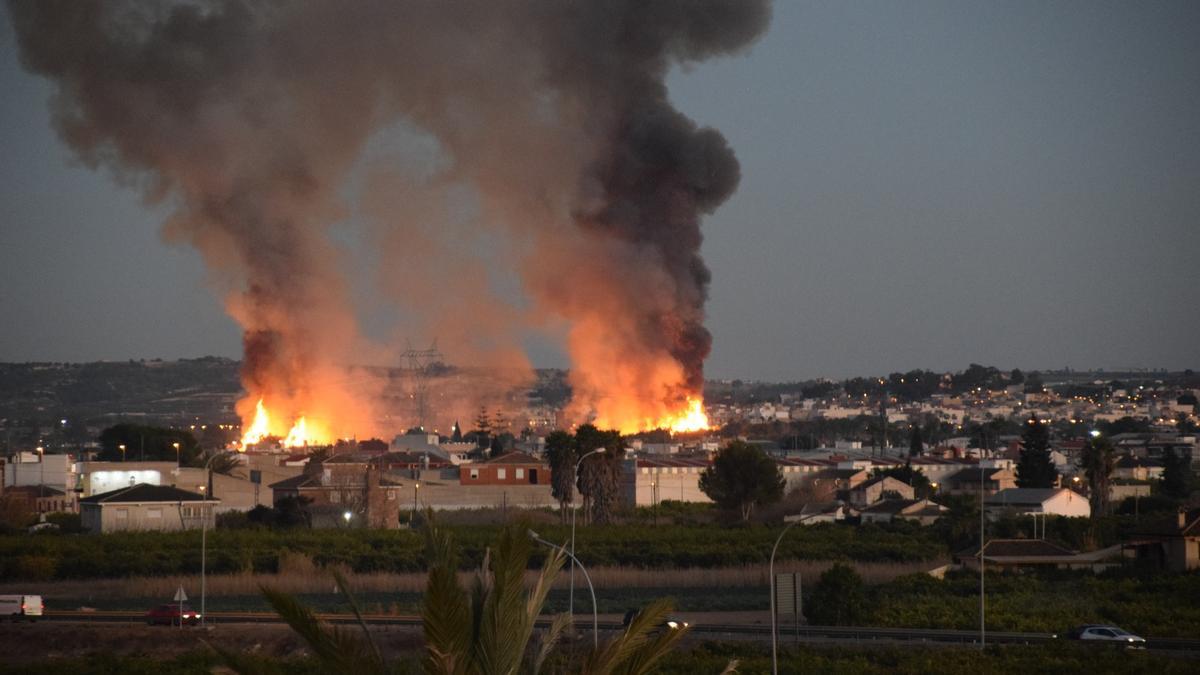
{"type": "Point", "coordinates": [506, 169]}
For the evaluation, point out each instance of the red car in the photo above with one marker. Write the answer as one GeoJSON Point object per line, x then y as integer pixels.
{"type": "Point", "coordinates": [170, 615]}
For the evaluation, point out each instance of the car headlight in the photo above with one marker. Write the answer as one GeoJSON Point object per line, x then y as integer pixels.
{"type": "Point", "coordinates": [672, 624]}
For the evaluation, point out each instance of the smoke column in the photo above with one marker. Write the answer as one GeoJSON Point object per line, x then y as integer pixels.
{"type": "Point", "coordinates": [249, 119]}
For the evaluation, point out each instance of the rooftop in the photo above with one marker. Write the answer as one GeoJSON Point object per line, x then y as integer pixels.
{"type": "Point", "coordinates": [144, 492]}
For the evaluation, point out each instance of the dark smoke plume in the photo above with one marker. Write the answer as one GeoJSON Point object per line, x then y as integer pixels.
{"type": "Point", "coordinates": [249, 119]}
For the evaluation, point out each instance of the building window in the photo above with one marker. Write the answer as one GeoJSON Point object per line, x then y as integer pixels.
{"type": "Point", "coordinates": [474, 474]}
{"type": "Point", "coordinates": [335, 497]}
{"type": "Point", "coordinates": [154, 513]}
{"type": "Point", "coordinates": [501, 474]}
{"type": "Point", "coordinates": [520, 474]}
{"type": "Point", "coordinates": [391, 495]}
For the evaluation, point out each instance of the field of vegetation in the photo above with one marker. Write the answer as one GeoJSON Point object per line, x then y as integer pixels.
{"type": "Point", "coordinates": [1159, 606]}
{"type": "Point", "coordinates": [148, 554]}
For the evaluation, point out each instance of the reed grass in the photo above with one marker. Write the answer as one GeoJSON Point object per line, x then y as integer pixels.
{"type": "Point", "coordinates": [299, 574]}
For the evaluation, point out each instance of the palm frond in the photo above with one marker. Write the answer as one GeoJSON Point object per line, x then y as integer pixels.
{"type": "Point", "coordinates": [367, 636]}
{"type": "Point", "coordinates": [548, 641]}
{"type": "Point", "coordinates": [642, 644]}
{"type": "Point", "coordinates": [337, 650]}
{"type": "Point", "coordinates": [505, 625]}
{"type": "Point", "coordinates": [446, 611]}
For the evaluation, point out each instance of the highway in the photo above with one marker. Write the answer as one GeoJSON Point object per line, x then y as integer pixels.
{"type": "Point", "coordinates": [807, 634]}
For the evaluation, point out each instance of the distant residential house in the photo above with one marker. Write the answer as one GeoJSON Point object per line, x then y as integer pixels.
{"type": "Point", "coordinates": [971, 481]}
{"type": "Point", "coordinates": [922, 511]}
{"type": "Point", "coordinates": [512, 468]}
{"type": "Point", "coordinates": [145, 507]}
{"type": "Point", "coordinates": [1138, 468]}
{"type": "Point", "coordinates": [822, 512]}
{"type": "Point", "coordinates": [842, 479]}
{"type": "Point", "coordinates": [39, 499]}
{"type": "Point", "coordinates": [875, 489]}
{"type": "Point", "coordinates": [1169, 544]}
{"type": "Point", "coordinates": [344, 484]}
{"type": "Point", "coordinates": [1049, 501]}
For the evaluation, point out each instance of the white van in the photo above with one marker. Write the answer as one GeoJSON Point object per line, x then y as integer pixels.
{"type": "Point", "coordinates": [17, 607]}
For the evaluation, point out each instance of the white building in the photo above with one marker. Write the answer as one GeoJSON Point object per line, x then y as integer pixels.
{"type": "Point", "coordinates": [1049, 501]}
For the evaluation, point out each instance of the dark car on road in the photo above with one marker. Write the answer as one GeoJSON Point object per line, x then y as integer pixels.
{"type": "Point", "coordinates": [172, 615]}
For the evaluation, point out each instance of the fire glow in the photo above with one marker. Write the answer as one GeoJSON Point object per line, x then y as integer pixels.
{"type": "Point", "coordinates": [693, 418]}
{"type": "Point", "coordinates": [689, 418]}
{"type": "Point", "coordinates": [299, 435]}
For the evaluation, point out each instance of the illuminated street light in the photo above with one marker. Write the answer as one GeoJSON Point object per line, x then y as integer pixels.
{"type": "Point", "coordinates": [176, 446]}
{"type": "Point", "coordinates": [347, 515]}
{"type": "Point", "coordinates": [595, 616]}
{"type": "Point", "coordinates": [575, 484]}
{"type": "Point", "coordinates": [121, 447]}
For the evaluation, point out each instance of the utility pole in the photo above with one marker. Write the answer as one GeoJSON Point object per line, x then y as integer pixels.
{"type": "Point", "coordinates": [418, 363]}
{"type": "Point", "coordinates": [982, 624]}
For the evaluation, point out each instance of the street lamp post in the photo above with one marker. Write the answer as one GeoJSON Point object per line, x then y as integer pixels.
{"type": "Point", "coordinates": [121, 447]}
{"type": "Point", "coordinates": [413, 521]}
{"type": "Point", "coordinates": [42, 477]}
{"type": "Point", "coordinates": [204, 537]}
{"type": "Point", "coordinates": [982, 531]}
{"type": "Point", "coordinates": [575, 485]}
{"type": "Point", "coordinates": [595, 612]}
{"type": "Point", "coordinates": [347, 516]}
{"type": "Point", "coordinates": [771, 571]}
{"type": "Point", "coordinates": [178, 463]}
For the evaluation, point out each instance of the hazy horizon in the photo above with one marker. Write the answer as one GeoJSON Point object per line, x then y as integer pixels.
{"type": "Point", "coordinates": [924, 185]}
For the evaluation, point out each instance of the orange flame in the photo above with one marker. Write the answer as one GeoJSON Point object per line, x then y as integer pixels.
{"type": "Point", "coordinates": [692, 418]}
{"type": "Point", "coordinates": [260, 428]}
{"type": "Point", "coordinates": [300, 435]}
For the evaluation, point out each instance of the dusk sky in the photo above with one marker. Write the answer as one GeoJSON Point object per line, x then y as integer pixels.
{"type": "Point", "coordinates": [924, 185]}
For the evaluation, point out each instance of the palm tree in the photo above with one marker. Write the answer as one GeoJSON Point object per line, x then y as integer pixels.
{"type": "Point", "coordinates": [488, 629]}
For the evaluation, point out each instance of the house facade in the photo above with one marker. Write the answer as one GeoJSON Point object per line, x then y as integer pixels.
{"type": "Point", "coordinates": [1172, 544]}
{"type": "Point", "coordinates": [342, 485]}
{"type": "Point", "coordinates": [513, 468]}
{"type": "Point", "coordinates": [146, 508]}
{"type": "Point", "coordinates": [873, 490]}
{"type": "Point", "coordinates": [1047, 501]}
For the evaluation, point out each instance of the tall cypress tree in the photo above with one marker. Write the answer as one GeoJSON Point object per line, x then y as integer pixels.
{"type": "Point", "coordinates": [1176, 477]}
{"type": "Point", "coordinates": [1035, 469]}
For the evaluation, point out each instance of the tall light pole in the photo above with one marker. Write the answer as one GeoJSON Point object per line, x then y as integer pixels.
{"type": "Point", "coordinates": [575, 561]}
{"type": "Point", "coordinates": [982, 629]}
{"type": "Point", "coordinates": [204, 538]}
{"type": "Point", "coordinates": [42, 468]}
{"type": "Point", "coordinates": [575, 486]}
{"type": "Point", "coordinates": [178, 463]}
{"type": "Point", "coordinates": [121, 447]}
{"type": "Point", "coordinates": [413, 521]}
{"type": "Point", "coordinates": [771, 571]}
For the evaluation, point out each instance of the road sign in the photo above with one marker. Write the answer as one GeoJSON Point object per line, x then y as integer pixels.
{"type": "Point", "coordinates": [180, 596]}
{"type": "Point", "coordinates": [788, 601]}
